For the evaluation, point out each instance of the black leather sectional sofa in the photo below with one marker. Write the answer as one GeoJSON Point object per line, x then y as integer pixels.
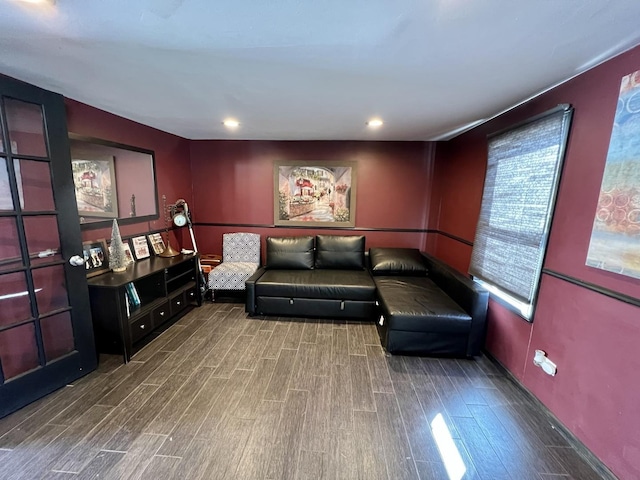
{"type": "Point", "coordinates": [328, 279]}
{"type": "Point", "coordinates": [420, 304]}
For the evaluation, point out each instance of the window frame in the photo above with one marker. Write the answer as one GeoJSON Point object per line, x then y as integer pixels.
{"type": "Point", "coordinates": [498, 294]}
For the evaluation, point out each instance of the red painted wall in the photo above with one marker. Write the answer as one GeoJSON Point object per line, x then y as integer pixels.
{"type": "Point", "coordinates": [590, 336]}
{"type": "Point", "coordinates": [233, 183]}
{"type": "Point", "coordinates": [171, 152]}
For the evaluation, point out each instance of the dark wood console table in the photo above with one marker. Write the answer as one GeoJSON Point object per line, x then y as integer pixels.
{"type": "Point", "coordinates": [166, 288]}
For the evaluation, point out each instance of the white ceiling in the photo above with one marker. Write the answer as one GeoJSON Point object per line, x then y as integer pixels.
{"type": "Point", "coordinates": [314, 69]}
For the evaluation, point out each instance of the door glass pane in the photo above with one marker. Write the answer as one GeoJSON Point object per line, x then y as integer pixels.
{"type": "Point", "coordinates": [10, 256]}
{"type": "Point", "coordinates": [34, 185]}
{"type": "Point", "coordinates": [51, 288]}
{"type": "Point", "coordinates": [18, 350]}
{"type": "Point", "coordinates": [43, 240]}
{"type": "Point", "coordinates": [26, 128]}
{"type": "Point", "coordinates": [6, 201]}
{"type": "Point", "coordinates": [57, 334]}
{"type": "Point", "coordinates": [14, 299]}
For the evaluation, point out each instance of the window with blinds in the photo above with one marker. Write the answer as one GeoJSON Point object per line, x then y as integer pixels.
{"type": "Point", "coordinates": [523, 171]}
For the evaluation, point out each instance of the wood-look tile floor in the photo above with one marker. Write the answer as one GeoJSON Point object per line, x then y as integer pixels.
{"type": "Point", "coordinates": [223, 396]}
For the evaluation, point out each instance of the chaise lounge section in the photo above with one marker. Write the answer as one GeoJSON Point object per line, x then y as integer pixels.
{"type": "Point", "coordinates": [427, 307]}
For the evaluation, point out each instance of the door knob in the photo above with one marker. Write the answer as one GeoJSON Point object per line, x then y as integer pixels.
{"type": "Point", "coordinates": [76, 261]}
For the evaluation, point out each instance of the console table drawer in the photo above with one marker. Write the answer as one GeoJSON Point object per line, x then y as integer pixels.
{"type": "Point", "coordinates": [178, 303]}
{"type": "Point", "coordinates": [141, 327]}
{"type": "Point", "coordinates": [161, 314]}
{"type": "Point", "coordinates": [191, 295]}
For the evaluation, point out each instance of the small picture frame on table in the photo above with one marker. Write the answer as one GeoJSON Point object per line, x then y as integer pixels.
{"type": "Point", "coordinates": [140, 247]}
{"type": "Point", "coordinates": [96, 257]}
{"type": "Point", "coordinates": [157, 244]}
{"type": "Point", "coordinates": [127, 252]}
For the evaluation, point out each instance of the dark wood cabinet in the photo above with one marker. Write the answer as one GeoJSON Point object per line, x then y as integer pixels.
{"type": "Point", "coordinates": [167, 288]}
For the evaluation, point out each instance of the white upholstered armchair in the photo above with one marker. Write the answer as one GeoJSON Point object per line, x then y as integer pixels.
{"type": "Point", "coordinates": [240, 259]}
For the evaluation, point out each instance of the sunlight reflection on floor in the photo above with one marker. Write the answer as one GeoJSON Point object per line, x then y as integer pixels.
{"type": "Point", "coordinates": [450, 455]}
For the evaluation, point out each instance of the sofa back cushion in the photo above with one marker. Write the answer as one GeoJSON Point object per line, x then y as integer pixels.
{"type": "Point", "coordinates": [397, 261]}
{"type": "Point", "coordinates": [344, 252]}
{"type": "Point", "coordinates": [290, 253]}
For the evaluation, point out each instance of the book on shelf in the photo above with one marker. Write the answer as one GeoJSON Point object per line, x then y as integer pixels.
{"type": "Point", "coordinates": [133, 294]}
{"type": "Point", "coordinates": [127, 302]}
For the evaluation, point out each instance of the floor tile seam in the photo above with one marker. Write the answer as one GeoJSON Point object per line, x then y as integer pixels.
{"type": "Point", "coordinates": [157, 414]}
{"type": "Point", "coordinates": [502, 421]}
{"type": "Point", "coordinates": [245, 369]}
{"type": "Point", "coordinates": [486, 441]}
{"type": "Point", "coordinates": [109, 450]}
{"type": "Point", "coordinates": [406, 437]}
{"type": "Point", "coordinates": [370, 368]}
{"type": "Point", "coordinates": [189, 349]}
{"type": "Point", "coordinates": [295, 390]}
{"type": "Point", "coordinates": [155, 384]}
{"type": "Point", "coordinates": [231, 352]}
{"type": "Point", "coordinates": [439, 393]}
{"type": "Point", "coordinates": [165, 435]}
{"type": "Point", "coordinates": [59, 424]}
{"type": "Point", "coordinates": [302, 430]}
{"type": "Point", "coordinates": [466, 373]}
{"type": "Point", "coordinates": [229, 409]}
{"type": "Point", "coordinates": [471, 459]}
{"type": "Point", "coordinates": [404, 428]}
{"type": "Point", "coordinates": [547, 421]}
{"type": "Point", "coordinates": [362, 410]}
{"type": "Point", "coordinates": [370, 380]}
{"type": "Point", "coordinates": [529, 460]}
{"type": "Point", "coordinates": [289, 377]}
{"type": "Point", "coordinates": [127, 418]}
{"type": "Point", "coordinates": [25, 445]}
{"type": "Point", "coordinates": [201, 358]}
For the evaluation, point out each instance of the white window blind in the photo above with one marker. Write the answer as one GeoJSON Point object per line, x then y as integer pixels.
{"type": "Point", "coordinates": [523, 170]}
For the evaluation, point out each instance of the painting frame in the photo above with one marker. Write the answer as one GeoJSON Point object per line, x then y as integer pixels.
{"type": "Point", "coordinates": [96, 192]}
{"type": "Point", "coordinates": [96, 257]}
{"type": "Point", "coordinates": [157, 243]}
{"type": "Point", "coordinates": [318, 193]}
{"type": "Point", "coordinates": [140, 247]}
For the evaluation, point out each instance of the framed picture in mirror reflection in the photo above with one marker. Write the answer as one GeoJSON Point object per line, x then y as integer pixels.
{"type": "Point", "coordinates": [95, 186]}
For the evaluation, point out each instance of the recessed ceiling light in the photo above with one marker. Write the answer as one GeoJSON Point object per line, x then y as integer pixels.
{"type": "Point", "coordinates": [231, 123]}
{"type": "Point", "coordinates": [50, 2]}
{"type": "Point", "coordinates": [374, 123]}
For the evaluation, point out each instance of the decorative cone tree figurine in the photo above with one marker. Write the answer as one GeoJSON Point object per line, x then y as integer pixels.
{"type": "Point", "coordinates": [118, 258]}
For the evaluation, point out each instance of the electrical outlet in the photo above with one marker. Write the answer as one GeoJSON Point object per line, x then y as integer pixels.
{"type": "Point", "coordinates": [541, 360]}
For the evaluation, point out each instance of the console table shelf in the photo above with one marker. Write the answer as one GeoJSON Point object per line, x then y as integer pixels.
{"type": "Point", "coordinates": [166, 287]}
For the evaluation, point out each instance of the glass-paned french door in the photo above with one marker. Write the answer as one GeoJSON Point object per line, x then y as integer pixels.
{"type": "Point", "coordinates": [46, 337]}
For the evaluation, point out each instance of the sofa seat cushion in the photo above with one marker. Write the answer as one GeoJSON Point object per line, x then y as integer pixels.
{"type": "Point", "coordinates": [333, 284]}
{"type": "Point", "coordinates": [417, 304]}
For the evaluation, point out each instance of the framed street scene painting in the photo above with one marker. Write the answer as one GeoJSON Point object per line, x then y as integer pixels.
{"type": "Point", "coordinates": [317, 194]}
